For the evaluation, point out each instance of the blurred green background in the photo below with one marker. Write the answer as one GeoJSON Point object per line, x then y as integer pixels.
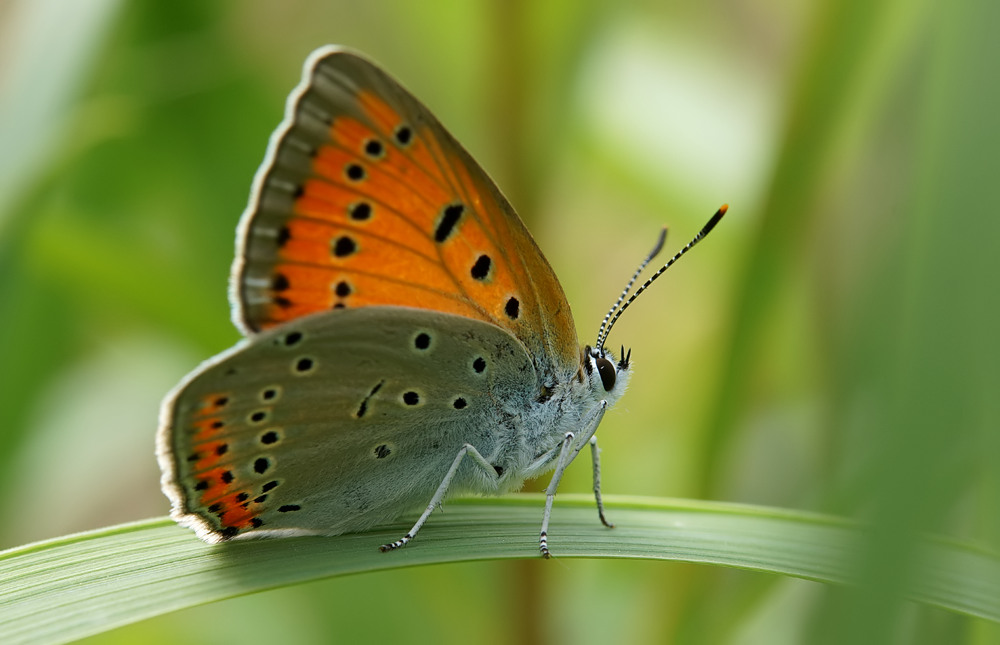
{"type": "Point", "coordinates": [832, 347]}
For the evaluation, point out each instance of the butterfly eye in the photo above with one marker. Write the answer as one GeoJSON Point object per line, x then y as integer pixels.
{"type": "Point", "coordinates": [607, 371]}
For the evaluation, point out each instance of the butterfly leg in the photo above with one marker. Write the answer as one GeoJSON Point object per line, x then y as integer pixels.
{"type": "Point", "coordinates": [567, 454]}
{"type": "Point", "coordinates": [595, 453]}
{"type": "Point", "coordinates": [467, 449]}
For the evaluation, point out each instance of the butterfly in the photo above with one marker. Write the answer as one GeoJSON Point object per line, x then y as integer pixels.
{"type": "Point", "coordinates": [406, 338]}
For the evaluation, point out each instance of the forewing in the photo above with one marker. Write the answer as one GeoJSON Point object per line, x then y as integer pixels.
{"type": "Point", "coordinates": [364, 199]}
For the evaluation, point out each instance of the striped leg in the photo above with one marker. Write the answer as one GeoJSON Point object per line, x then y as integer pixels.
{"type": "Point", "coordinates": [595, 452]}
{"type": "Point", "coordinates": [467, 449]}
{"type": "Point", "coordinates": [567, 454]}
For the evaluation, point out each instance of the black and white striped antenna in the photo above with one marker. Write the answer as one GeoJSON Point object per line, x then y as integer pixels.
{"type": "Point", "coordinates": [635, 276]}
{"type": "Point", "coordinates": [616, 310]}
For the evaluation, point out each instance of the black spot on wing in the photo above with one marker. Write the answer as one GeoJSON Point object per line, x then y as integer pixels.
{"type": "Point", "coordinates": [344, 246]}
{"type": "Point", "coordinates": [355, 172]}
{"type": "Point", "coordinates": [481, 269]}
{"type": "Point", "coordinates": [448, 221]}
{"type": "Point", "coordinates": [359, 211]}
{"type": "Point", "coordinates": [512, 308]}
{"type": "Point", "coordinates": [363, 408]}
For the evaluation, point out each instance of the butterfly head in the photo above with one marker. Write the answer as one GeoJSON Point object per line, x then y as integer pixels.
{"type": "Point", "coordinates": [605, 376]}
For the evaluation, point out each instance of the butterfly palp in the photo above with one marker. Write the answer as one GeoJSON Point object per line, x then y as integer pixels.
{"type": "Point", "coordinates": [623, 362]}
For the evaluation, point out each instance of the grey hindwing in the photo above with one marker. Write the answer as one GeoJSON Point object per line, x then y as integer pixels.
{"type": "Point", "coordinates": [342, 420]}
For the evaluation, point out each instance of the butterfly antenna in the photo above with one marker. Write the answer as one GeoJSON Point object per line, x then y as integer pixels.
{"type": "Point", "coordinates": [697, 238]}
{"type": "Point", "coordinates": [635, 276]}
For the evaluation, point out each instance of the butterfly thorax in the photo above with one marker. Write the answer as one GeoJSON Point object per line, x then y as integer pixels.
{"type": "Point", "coordinates": [563, 407]}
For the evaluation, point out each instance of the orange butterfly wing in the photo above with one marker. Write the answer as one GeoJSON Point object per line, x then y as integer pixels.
{"type": "Point", "coordinates": [365, 199]}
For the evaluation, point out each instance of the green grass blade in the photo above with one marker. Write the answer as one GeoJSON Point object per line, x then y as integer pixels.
{"type": "Point", "coordinates": [78, 585]}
